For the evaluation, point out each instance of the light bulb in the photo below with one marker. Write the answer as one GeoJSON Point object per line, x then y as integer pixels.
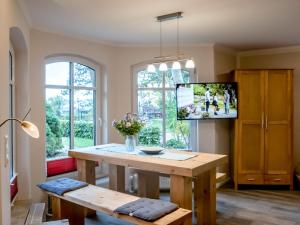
{"type": "Point", "coordinates": [176, 65]}
{"type": "Point", "coordinates": [190, 64]}
{"type": "Point", "coordinates": [163, 67]}
{"type": "Point", "coordinates": [151, 68]}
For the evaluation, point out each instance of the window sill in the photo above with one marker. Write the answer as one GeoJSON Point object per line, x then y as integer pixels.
{"type": "Point", "coordinates": [60, 165]}
{"type": "Point", "coordinates": [13, 188]}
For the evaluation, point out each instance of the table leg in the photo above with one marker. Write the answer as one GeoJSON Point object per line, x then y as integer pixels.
{"type": "Point", "coordinates": [148, 184]}
{"type": "Point", "coordinates": [117, 178]}
{"type": "Point", "coordinates": [181, 192]}
{"type": "Point", "coordinates": [205, 197]}
{"type": "Point", "coordinates": [86, 171]}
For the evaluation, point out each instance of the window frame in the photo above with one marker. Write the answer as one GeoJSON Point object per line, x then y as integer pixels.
{"type": "Point", "coordinates": [12, 113]}
{"type": "Point", "coordinates": [96, 90]}
{"type": "Point", "coordinates": [134, 106]}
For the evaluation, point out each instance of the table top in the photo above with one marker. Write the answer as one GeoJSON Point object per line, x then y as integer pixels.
{"type": "Point", "coordinates": [191, 167]}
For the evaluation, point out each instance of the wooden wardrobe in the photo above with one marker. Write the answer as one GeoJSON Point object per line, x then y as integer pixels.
{"type": "Point", "coordinates": [263, 132]}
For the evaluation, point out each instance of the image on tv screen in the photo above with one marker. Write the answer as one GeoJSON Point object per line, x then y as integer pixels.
{"type": "Point", "coordinates": [206, 101]}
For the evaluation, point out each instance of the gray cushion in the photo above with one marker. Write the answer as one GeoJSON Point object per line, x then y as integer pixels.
{"type": "Point", "coordinates": [147, 209]}
{"type": "Point", "coordinates": [62, 185]}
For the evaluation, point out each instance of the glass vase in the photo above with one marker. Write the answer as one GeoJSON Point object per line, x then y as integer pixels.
{"type": "Point", "coordinates": [130, 143]}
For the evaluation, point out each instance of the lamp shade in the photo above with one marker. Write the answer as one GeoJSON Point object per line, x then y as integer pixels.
{"type": "Point", "coordinates": [190, 64]}
{"type": "Point", "coordinates": [163, 67]}
{"type": "Point", "coordinates": [30, 129]}
{"type": "Point", "coordinates": [151, 68]}
{"type": "Point", "coordinates": [176, 65]}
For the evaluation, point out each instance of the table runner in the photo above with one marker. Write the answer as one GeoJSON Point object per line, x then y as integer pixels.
{"type": "Point", "coordinates": [163, 155]}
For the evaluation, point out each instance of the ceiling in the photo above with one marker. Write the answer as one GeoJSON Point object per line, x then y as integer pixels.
{"type": "Point", "coordinates": [240, 24]}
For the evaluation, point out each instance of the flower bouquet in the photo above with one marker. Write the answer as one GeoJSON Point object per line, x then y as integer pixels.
{"type": "Point", "coordinates": [129, 127]}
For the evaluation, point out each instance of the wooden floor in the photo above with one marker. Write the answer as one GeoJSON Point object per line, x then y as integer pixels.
{"type": "Point", "coordinates": [258, 207]}
{"type": "Point", "coordinates": [244, 207]}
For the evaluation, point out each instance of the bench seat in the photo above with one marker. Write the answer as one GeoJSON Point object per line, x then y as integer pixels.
{"type": "Point", "coordinates": [35, 216]}
{"type": "Point", "coordinates": [73, 205]}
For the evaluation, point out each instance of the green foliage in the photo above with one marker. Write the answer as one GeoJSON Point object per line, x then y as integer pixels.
{"type": "Point", "coordinates": [82, 129]}
{"type": "Point", "coordinates": [83, 75]}
{"type": "Point", "coordinates": [173, 143]}
{"type": "Point", "coordinates": [65, 127]}
{"type": "Point", "coordinates": [56, 104]}
{"type": "Point", "coordinates": [146, 79]}
{"type": "Point", "coordinates": [199, 89]}
{"type": "Point", "coordinates": [53, 133]}
{"type": "Point", "coordinates": [183, 113]}
{"type": "Point", "coordinates": [179, 129]}
{"type": "Point", "coordinates": [149, 136]}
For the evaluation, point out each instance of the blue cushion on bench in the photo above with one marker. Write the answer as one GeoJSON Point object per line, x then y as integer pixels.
{"type": "Point", "coordinates": [147, 209]}
{"type": "Point", "coordinates": [62, 185]}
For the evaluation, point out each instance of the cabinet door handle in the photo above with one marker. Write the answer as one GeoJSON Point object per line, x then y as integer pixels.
{"type": "Point", "coordinates": [266, 122]}
{"type": "Point", "coordinates": [277, 179]}
{"type": "Point", "coordinates": [250, 179]}
{"type": "Point", "coordinates": [262, 121]}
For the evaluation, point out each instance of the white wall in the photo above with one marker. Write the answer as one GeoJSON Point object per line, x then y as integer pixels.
{"type": "Point", "coordinates": [282, 58]}
{"type": "Point", "coordinates": [225, 62]}
{"type": "Point", "coordinates": [10, 16]}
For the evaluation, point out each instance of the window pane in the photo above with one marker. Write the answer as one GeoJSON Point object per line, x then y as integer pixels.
{"type": "Point", "coordinates": [83, 75]}
{"type": "Point", "coordinates": [150, 110]}
{"type": "Point", "coordinates": [174, 77]}
{"type": "Point", "coordinates": [57, 122]}
{"type": "Point", "coordinates": [149, 80]}
{"type": "Point", "coordinates": [177, 132]}
{"type": "Point", "coordinates": [58, 73]}
{"type": "Point", "coordinates": [84, 110]}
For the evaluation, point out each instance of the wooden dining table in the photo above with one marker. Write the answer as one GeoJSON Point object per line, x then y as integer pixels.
{"type": "Point", "coordinates": [199, 169]}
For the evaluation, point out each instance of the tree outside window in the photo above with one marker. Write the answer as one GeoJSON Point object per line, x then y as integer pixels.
{"type": "Point", "coordinates": [156, 104]}
{"type": "Point", "coordinates": [70, 107]}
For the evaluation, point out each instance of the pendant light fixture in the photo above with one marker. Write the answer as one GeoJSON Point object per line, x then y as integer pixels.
{"type": "Point", "coordinates": [151, 68]}
{"type": "Point", "coordinates": [163, 66]}
{"type": "Point", "coordinates": [189, 64]}
{"type": "Point", "coordinates": [162, 61]}
{"type": "Point", "coordinates": [176, 65]}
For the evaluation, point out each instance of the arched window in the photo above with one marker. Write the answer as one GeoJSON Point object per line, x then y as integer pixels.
{"type": "Point", "coordinates": [155, 102]}
{"type": "Point", "coordinates": [70, 105]}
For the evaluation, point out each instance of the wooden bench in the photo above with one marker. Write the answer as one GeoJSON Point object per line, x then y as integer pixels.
{"type": "Point", "coordinates": [72, 205]}
{"type": "Point", "coordinates": [35, 216]}
{"type": "Point", "coordinates": [220, 177]}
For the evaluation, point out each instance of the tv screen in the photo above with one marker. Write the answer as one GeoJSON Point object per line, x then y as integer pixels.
{"type": "Point", "coordinates": [199, 101]}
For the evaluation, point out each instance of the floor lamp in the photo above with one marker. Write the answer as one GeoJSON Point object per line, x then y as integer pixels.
{"type": "Point", "coordinates": [27, 126]}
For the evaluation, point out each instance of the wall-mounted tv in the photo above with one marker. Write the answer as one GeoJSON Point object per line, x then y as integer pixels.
{"type": "Point", "coordinates": [200, 101]}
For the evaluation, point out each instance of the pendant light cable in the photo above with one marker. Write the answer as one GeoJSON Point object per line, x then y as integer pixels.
{"type": "Point", "coordinates": [177, 37]}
